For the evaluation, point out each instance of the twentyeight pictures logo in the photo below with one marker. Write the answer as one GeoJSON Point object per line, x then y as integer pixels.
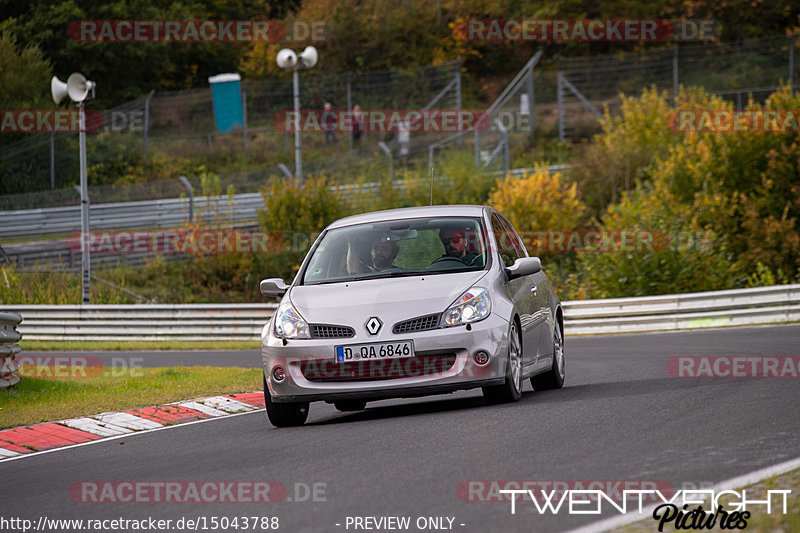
{"type": "Point", "coordinates": [682, 508]}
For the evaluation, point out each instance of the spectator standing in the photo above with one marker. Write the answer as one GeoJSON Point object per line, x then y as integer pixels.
{"type": "Point", "coordinates": [358, 124]}
{"type": "Point", "coordinates": [328, 121]}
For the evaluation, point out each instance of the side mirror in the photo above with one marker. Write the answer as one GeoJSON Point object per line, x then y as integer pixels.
{"type": "Point", "coordinates": [524, 266]}
{"type": "Point", "coordinates": [273, 287]}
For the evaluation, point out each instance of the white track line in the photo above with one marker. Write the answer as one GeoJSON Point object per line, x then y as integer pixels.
{"type": "Point", "coordinates": [729, 484]}
{"type": "Point", "coordinates": [128, 435]}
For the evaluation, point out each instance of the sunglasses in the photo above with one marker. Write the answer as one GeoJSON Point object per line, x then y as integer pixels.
{"type": "Point", "coordinates": [455, 237]}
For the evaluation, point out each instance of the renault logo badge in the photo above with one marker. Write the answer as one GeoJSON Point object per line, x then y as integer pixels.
{"type": "Point", "coordinates": [373, 325]}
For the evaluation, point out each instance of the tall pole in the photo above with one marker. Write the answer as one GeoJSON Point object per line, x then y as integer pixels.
{"type": "Point", "coordinates": [675, 88]}
{"type": "Point", "coordinates": [350, 108]}
{"type": "Point", "coordinates": [791, 60]}
{"type": "Point", "coordinates": [560, 100]}
{"type": "Point", "coordinates": [52, 160]}
{"type": "Point", "coordinates": [458, 89]}
{"type": "Point", "coordinates": [85, 263]}
{"type": "Point", "coordinates": [146, 122]}
{"type": "Point", "coordinates": [244, 115]}
{"type": "Point", "coordinates": [298, 156]}
{"type": "Point", "coordinates": [531, 104]}
{"type": "Point", "coordinates": [288, 59]}
{"type": "Point", "coordinates": [477, 142]}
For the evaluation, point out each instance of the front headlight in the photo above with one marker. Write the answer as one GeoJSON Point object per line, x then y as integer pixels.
{"type": "Point", "coordinates": [289, 324]}
{"type": "Point", "coordinates": [472, 306]}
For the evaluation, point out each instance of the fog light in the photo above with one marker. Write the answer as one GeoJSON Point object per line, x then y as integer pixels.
{"type": "Point", "coordinates": [278, 374]}
{"type": "Point", "coordinates": [481, 358]}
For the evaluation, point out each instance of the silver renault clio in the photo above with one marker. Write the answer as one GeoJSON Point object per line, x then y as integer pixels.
{"type": "Point", "coordinates": [411, 302]}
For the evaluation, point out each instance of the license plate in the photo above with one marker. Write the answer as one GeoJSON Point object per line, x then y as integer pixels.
{"type": "Point", "coordinates": [378, 350]}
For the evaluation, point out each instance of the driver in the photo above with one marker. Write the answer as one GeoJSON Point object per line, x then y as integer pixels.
{"type": "Point", "coordinates": [454, 239]}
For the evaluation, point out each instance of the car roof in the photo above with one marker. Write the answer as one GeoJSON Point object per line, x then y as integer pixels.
{"type": "Point", "coordinates": [411, 212]}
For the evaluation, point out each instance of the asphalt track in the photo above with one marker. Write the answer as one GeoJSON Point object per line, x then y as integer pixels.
{"type": "Point", "coordinates": [619, 417]}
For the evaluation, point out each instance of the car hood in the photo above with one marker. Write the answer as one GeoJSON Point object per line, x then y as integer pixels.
{"type": "Point", "coordinates": [390, 299]}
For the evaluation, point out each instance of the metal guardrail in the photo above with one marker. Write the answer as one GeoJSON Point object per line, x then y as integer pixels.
{"type": "Point", "coordinates": [9, 337]}
{"type": "Point", "coordinates": [145, 321]}
{"type": "Point", "coordinates": [244, 321]}
{"type": "Point", "coordinates": [760, 305]}
{"type": "Point", "coordinates": [56, 255]}
{"type": "Point", "coordinates": [238, 210]}
{"type": "Point", "coordinates": [165, 213]}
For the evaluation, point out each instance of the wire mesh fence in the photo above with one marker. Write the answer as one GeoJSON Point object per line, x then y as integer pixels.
{"type": "Point", "coordinates": [182, 124]}
{"type": "Point", "coordinates": [568, 100]}
{"type": "Point", "coordinates": [738, 72]}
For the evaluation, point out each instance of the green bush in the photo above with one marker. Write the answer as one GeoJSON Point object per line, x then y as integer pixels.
{"type": "Point", "coordinates": [539, 201]}
{"type": "Point", "coordinates": [626, 150]}
{"type": "Point", "coordinates": [742, 185]}
{"type": "Point", "coordinates": [676, 254]}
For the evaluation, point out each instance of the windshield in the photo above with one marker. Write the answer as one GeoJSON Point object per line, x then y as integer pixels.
{"type": "Point", "coordinates": [405, 247]}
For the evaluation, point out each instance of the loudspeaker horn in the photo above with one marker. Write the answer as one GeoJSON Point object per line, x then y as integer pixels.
{"type": "Point", "coordinates": [58, 89]}
{"type": "Point", "coordinates": [78, 87]}
{"type": "Point", "coordinates": [287, 58]}
{"type": "Point", "coordinates": [309, 57]}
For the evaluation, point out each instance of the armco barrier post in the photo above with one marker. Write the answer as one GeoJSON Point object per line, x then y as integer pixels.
{"type": "Point", "coordinates": [9, 336]}
{"type": "Point", "coordinates": [185, 182]}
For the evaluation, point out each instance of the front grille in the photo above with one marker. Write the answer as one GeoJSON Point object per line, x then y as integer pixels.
{"type": "Point", "coordinates": [417, 324]}
{"type": "Point", "coordinates": [325, 331]}
{"type": "Point", "coordinates": [376, 369]}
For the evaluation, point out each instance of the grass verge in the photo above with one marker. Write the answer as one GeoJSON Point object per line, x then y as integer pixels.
{"type": "Point", "coordinates": [86, 346]}
{"type": "Point", "coordinates": [759, 521]}
{"type": "Point", "coordinates": [35, 400]}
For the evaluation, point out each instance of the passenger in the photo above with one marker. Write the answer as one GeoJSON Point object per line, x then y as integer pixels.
{"type": "Point", "coordinates": [381, 257]}
{"type": "Point", "coordinates": [383, 254]}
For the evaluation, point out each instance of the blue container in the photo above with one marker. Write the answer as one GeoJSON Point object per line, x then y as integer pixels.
{"type": "Point", "coordinates": [227, 98]}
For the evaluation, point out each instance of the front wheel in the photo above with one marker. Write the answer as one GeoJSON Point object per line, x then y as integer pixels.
{"type": "Point", "coordinates": [553, 378]}
{"type": "Point", "coordinates": [511, 390]}
{"type": "Point", "coordinates": [282, 415]}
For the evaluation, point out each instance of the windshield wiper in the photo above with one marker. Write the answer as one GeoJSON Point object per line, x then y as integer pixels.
{"type": "Point", "coordinates": [405, 273]}
{"type": "Point", "coordinates": [400, 273]}
{"type": "Point", "coordinates": [329, 281]}
{"type": "Point", "coordinates": [389, 274]}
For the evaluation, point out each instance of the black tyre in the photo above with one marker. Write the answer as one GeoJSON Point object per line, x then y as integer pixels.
{"type": "Point", "coordinates": [350, 405]}
{"type": "Point", "coordinates": [282, 415]}
{"type": "Point", "coordinates": [553, 378]}
{"type": "Point", "coordinates": [511, 390]}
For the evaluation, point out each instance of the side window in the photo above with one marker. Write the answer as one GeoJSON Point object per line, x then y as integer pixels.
{"type": "Point", "coordinates": [519, 246]}
{"type": "Point", "coordinates": [505, 242]}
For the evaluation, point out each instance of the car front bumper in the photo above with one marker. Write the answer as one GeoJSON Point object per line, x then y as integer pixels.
{"type": "Point", "coordinates": [443, 363]}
